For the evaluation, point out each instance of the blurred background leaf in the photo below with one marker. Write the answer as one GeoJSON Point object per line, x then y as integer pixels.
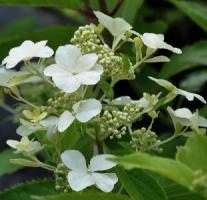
{"type": "Point", "coordinates": [192, 56]}
{"type": "Point", "coordinates": [196, 10]}
{"type": "Point", "coordinates": [6, 167]}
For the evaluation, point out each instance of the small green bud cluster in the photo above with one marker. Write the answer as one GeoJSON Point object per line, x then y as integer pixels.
{"type": "Point", "coordinates": [200, 181]}
{"type": "Point", "coordinates": [114, 122]}
{"type": "Point", "coordinates": [87, 39]}
{"type": "Point", "coordinates": [61, 178]}
{"type": "Point", "coordinates": [60, 103]}
{"type": "Point", "coordinates": [142, 139]}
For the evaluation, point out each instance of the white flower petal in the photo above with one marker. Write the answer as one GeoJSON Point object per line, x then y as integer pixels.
{"type": "Point", "coordinates": [25, 51]}
{"type": "Point", "coordinates": [202, 122]}
{"type": "Point", "coordinates": [88, 78]}
{"type": "Point", "coordinates": [123, 100]}
{"type": "Point", "coordinates": [56, 70]}
{"type": "Point", "coordinates": [106, 181]}
{"type": "Point", "coordinates": [67, 56]}
{"type": "Point", "coordinates": [156, 41]}
{"type": "Point", "coordinates": [79, 181]}
{"type": "Point", "coordinates": [85, 62]}
{"type": "Point", "coordinates": [190, 96]}
{"type": "Point", "coordinates": [65, 120]}
{"type": "Point", "coordinates": [116, 26]}
{"type": "Point", "coordinates": [50, 121]}
{"type": "Point", "coordinates": [12, 143]}
{"type": "Point", "coordinates": [24, 130]}
{"type": "Point", "coordinates": [74, 160]}
{"type": "Point", "coordinates": [151, 40]}
{"type": "Point", "coordinates": [87, 109]}
{"type": "Point", "coordinates": [163, 83]}
{"type": "Point", "coordinates": [180, 116]}
{"type": "Point", "coordinates": [117, 40]}
{"type": "Point", "coordinates": [43, 51]}
{"type": "Point", "coordinates": [183, 113]}
{"type": "Point", "coordinates": [171, 48]}
{"type": "Point", "coordinates": [100, 162]}
{"type": "Point", "coordinates": [67, 84]}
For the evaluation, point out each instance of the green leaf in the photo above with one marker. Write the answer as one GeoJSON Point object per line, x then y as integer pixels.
{"type": "Point", "coordinates": [56, 36]}
{"type": "Point", "coordinates": [193, 154]}
{"type": "Point", "coordinates": [157, 59]}
{"type": "Point", "coordinates": [24, 162]}
{"type": "Point", "coordinates": [128, 10]}
{"type": "Point", "coordinates": [140, 185]}
{"type": "Point", "coordinates": [194, 81]}
{"type": "Point", "coordinates": [6, 167]}
{"type": "Point", "coordinates": [169, 168]}
{"type": "Point", "coordinates": [84, 196]}
{"type": "Point", "coordinates": [25, 191]}
{"type": "Point", "coordinates": [18, 79]}
{"type": "Point", "coordinates": [71, 137]}
{"type": "Point", "coordinates": [107, 89]}
{"type": "Point", "coordinates": [42, 3]}
{"type": "Point", "coordinates": [195, 10]}
{"type": "Point", "coordinates": [192, 56]}
{"type": "Point", "coordinates": [175, 191]}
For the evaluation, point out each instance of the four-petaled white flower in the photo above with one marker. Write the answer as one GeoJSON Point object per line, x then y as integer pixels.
{"type": "Point", "coordinates": [185, 117]}
{"type": "Point", "coordinates": [80, 176]}
{"type": "Point", "coordinates": [116, 26]}
{"type": "Point", "coordinates": [26, 51]}
{"type": "Point", "coordinates": [25, 145]}
{"type": "Point", "coordinates": [176, 91]}
{"type": "Point", "coordinates": [72, 69]}
{"type": "Point", "coordinates": [83, 111]}
{"type": "Point", "coordinates": [156, 41]}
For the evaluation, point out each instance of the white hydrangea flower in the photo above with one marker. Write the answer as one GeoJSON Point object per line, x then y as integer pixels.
{"type": "Point", "coordinates": [144, 102]}
{"type": "Point", "coordinates": [27, 128]}
{"type": "Point", "coordinates": [80, 176]}
{"type": "Point", "coordinates": [25, 145]}
{"type": "Point", "coordinates": [176, 91]}
{"type": "Point", "coordinates": [26, 51]}
{"type": "Point", "coordinates": [83, 111]}
{"type": "Point", "coordinates": [72, 69]}
{"type": "Point", "coordinates": [116, 26]}
{"type": "Point", "coordinates": [156, 41]}
{"type": "Point", "coordinates": [185, 117]}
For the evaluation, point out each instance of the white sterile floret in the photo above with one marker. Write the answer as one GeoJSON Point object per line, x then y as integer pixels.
{"type": "Point", "coordinates": [72, 69]}
{"type": "Point", "coordinates": [156, 41]}
{"type": "Point", "coordinates": [116, 26]}
{"type": "Point", "coordinates": [80, 176]}
{"type": "Point", "coordinates": [123, 100]}
{"type": "Point", "coordinates": [25, 145]}
{"type": "Point", "coordinates": [185, 117]}
{"type": "Point", "coordinates": [83, 111]}
{"type": "Point", "coordinates": [176, 91]}
{"type": "Point", "coordinates": [26, 51]}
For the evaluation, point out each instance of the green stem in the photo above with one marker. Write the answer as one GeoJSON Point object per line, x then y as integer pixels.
{"type": "Point", "coordinates": [27, 102]}
{"type": "Point", "coordinates": [120, 189]}
{"type": "Point", "coordinates": [168, 139]}
{"type": "Point", "coordinates": [8, 108]}
{"type": "Point", "coordinates": [38, 73]}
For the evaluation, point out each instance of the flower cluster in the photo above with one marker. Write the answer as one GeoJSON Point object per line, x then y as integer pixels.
{"type": "Point", "coordinates": [142, 139]}
{"type": "Point", "coordinates": [87, 39]}
{"type": "Point", "coordinates": [75, 112]}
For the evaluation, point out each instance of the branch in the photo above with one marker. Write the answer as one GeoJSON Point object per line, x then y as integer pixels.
{"type": "Point", "coordinates": [116, 8]}
{"type": "Point", "coordinates": [103, 6]}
